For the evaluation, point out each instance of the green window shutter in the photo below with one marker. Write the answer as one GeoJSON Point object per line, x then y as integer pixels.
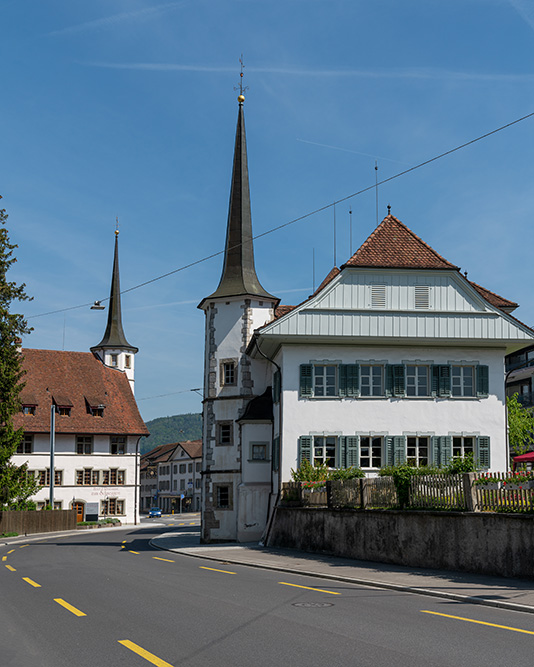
{"type": "Point", "coordinates": [306, 377]}
{"type": "Point", "coordinates": [389, 380]}
{"type": "Point", "coordinates": [399, 388]}
{"type": "Point", "coordinates": [390, 451]}
{"type": "Point", "coordinates": [399, 449]}
{"type": "Point", "coordinates": [305, 447]}
{"type": "Point", "coordinates": [342, 452]}
{"type": "Point", "coordinates": [276, 387]}
{"type": "Point", "coordinates": [434, 380]}
{"type": "Point", "coordinates": [276, 453]}
{"type": "Point", "coordinates": [436, 450]}
{"type": "Point", "coordinates": [353, 454]}
{"type": "Point", "coordinates": [445, 449]}
{"type": "Point", "coordinates": [483, 451]}
{"type": "Point", "coordinates": [444, 380]}
{"type": "Point", "coordinates": [342, 380]}
{"type": "Point", "coordinates": [482, 381]}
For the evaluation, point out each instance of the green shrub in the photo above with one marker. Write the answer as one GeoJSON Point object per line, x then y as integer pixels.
{"type": "Point", "coordinates": [307, 472]}
{"type": "Point", "coordinates": [459, 465]}
{"type": "Point", "coordinates": [9, 534]}
{"type": "Point", "coordinates": [346, 473]}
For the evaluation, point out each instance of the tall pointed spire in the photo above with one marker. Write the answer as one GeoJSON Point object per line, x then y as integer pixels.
{"type": "Point", "coordinates": [239, 274]}
{"type": "Point", "coordinates": [114, 337]}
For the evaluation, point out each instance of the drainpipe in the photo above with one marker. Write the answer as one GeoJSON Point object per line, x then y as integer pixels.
{"type": "Point", "coordinates": [267, 522]}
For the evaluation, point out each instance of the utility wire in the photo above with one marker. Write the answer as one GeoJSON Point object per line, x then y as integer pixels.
{"type": "Point", "coordinates": [305, 216]}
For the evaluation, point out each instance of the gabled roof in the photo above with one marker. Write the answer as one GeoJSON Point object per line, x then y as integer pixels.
{"type": "Point", "coordinates": [393, 245]}
{"type": "Point", "coordinates": [192, 447]}
{"type": "Point", "coordinates": [160, 454]}
{"type": "Point", "coordinates": [68, 378]}
{"type": "Point", "coordinates": [495, 299]}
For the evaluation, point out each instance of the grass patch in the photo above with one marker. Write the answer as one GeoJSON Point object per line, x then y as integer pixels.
{"type": "Point", "coordinates": [12, 534]}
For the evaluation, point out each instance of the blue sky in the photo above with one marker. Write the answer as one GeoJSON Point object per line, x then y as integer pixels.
{"type": "Point", "coordinates": [126, 108]}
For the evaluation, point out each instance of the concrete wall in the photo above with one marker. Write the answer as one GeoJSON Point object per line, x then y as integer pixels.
{"type": "Point", "coordinates": [486, 543]}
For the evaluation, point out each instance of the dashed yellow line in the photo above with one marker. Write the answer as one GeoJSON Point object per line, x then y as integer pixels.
{"type": "Point", "coordinates": [471, 620]}
{"type": "Point", "coordinates": [144, 654]}
{"type": "Point", "coordinates": [133, 552]}
{"type": "Point", "coordinates": [10, 552]}
{"type": "Point", "coordinates": [31, 582]}
{"type": "Point", "coordinates": [24, 545]}
{"type": "Point", "coordinates": [214, 570]}
{"type": "Point", "coordinates": [319, 590]}
{"type": "Point", "coordinates": [11, 568]}
{"type": "Point", "coordinates": [68, 606]}
{"type": "Point", "coordinates": [167, 560]}
{"type": "Point", "coordinates": [4, 558]}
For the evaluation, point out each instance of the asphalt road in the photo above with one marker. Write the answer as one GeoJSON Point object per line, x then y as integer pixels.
{"type": "Point", "coordinates": [145, 607]}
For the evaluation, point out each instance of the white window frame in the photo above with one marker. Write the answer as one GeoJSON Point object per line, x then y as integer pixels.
{"type": "Point", "coordinates": [415, 386]}
{"type": "Point", "coordinates": [263, 444]}
{"type": "Point", "coordinates": [371, 365]}
{"type": "Point", "coordinates": [461, 385]}
{"type": "Point", "coordinates": [371, 457]}
{"type": "Point", "coordinates": [418, 459]}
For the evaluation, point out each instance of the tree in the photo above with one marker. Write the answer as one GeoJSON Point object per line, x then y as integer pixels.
{"type": "Point", "coordinates": [15, 487]}
{"type": "Point", "coordinates": [520, 426]}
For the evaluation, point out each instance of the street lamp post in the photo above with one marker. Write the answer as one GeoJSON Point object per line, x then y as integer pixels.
{"type": "Point", "coordinates": [52, 452]}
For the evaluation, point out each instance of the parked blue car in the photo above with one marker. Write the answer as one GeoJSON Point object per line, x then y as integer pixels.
{"type": "Point", "coordinates": [155, 511]}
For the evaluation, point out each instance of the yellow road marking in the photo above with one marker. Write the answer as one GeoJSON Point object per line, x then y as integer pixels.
{"type": "Point", "coordinates": [133, 552]}
{"type": "Point", "coordinates": [471, 620]}
{"type": "Point", "coordinates": [165, 559]}
{"type": "Point", "coordinates": [68, 606]}
{"type": "Point", "coordinates": [11, 568]}
{"type": "Point", "coordinates": [320, 590]}
{"type": "Point", "coordinates": [144, 654]}
{"type": "Point", "coordinates": [10, 552]}
{"type": "Point", "coordinates": [31, 582]}
{"type": "Point", "coordinates": [181, 524]}
{"type": "Point", "coordinates": [193, 523]}
{"type": "Point", "coordinates": [214, 570]}
{"type": "Point", "coordinates": [4, 557]}
{"type": "Point", "coordinates": [24, 545]}
{"type": "Point", "coordinates": [124, 542]}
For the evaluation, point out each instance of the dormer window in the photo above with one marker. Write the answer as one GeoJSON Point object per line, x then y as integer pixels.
{"type": "Point", "coordinates": [63, 410]}
{"type": "Point", "coordinates": [94, 406]}
{"type": "Point", "coordinates": [98, 411]}
{"type": "Point", "coordinates": [28, 409]}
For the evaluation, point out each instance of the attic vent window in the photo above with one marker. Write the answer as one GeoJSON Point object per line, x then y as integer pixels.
{"type": "Point", "coordinates": [422, 297]}
{"type": "Point", "coordinates": [378, 296]}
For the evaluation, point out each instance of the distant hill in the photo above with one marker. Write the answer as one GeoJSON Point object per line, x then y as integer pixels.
{"type": "Point", "coordinates": [164, 430]}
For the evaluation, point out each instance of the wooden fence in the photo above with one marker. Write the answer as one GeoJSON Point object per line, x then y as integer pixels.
{"type": "Point", "coordinates": [42, 521]}
{"type": "Point", "coordinates": [432, 492]}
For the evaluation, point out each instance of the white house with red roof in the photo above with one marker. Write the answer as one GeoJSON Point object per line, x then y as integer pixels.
{"type": "Point", "coordinates": [397, 356]}
{"type": "Point", "coordinates": [97, 423]}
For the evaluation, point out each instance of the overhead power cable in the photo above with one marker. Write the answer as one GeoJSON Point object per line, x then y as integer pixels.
{"type": "Point", "coordinates": [305, 216]}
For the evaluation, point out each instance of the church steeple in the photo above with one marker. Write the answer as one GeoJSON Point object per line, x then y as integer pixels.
{"type": "Point", "coordinates": [114, 350]}
{"type": "Point", "coordinates": [239, 274]}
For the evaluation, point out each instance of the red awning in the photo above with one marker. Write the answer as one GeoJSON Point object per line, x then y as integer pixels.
{"type": "Point", "coordinates": [522, 458]}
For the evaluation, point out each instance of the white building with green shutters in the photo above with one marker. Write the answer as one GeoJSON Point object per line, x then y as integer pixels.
{"type": "Point", "coordinates": [397, 356]}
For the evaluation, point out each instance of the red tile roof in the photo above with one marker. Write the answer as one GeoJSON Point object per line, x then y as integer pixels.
{"type": "Point", "coordinates": [192, 447]}
{"type": "Point", "coordinates": [393, 245]}
{"type": "Point", "coordinates": [495, 299]}
{"type": "Point", "coordinates": [279, 311]}
{"type": "Point", "coordinates": [160, 454]}
{"type": "Point", "coordinates": [77, 379]}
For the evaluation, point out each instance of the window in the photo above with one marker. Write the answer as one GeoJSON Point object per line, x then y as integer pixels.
{"type": "Point", "coordinates": [58, 504]}
{"type": "Point", "coordinates": [111, 506]}
{"type": "Point", "coordinates": [417, 450]}
{"type": "Point", "coordinates": [197, 484]}
{"type": "Point", "coordinates": [175, 485]}
{"type": "Point", "coordinates": [118, 444]}
{"type": "Point", "coordinates": [325, 380]}
{"type": "Point", "coordinates": [114, 359]}
{"type": "Point", "coordinates": [190, 468]}
{"type": "Point", "coordinates": [463, 380]}
{"type": "Point", "coordinates": [175, 469]}
{"type": "Point", "coordinates": [223, 496]}
{"type": "Point", "coordinates": [371, 382]}
{"type": "Point", "coordinates": [26, 446]}
{"type": "Point", "coordinates": [87, 476]}
{"type": "Point", "coordinates": [370, 452]}
{"type": "Point", "coordinates": [28, 409]}
{"type": "Point", "coordinates": [105, 477]}
{"type": "Point", "coordinates": [97, 411]}
{"type": "Point", "coordinates": [463, 445]}
{"type": "Point", "coordinates": [113, 476]}
{"type": "Point", "coordinates": [182, 484]}
{"type": "Point", "coordinates": [63, 411]}
{"type": "Point", "coordinates": [95, 477]}
{"type": "Point", "coordinates": [417, 380]}
{"type": "Point", "coordinates": [84, 444]}
{"type": "Point", "coordinates": [182, 468]}
{"type": "Point", "coordinates": [79, 477]}
{"type": "Point", "coordinates": [324, 450]}
{"type": "Point", "coordinates": [224, 433]}
{"type": "Point", "coordinates": [258, 451]}
{"type": "Point", "coordinates": [127, 361]}
{"type": "Point", "coordinates": [198, 467]}
{"type": "Point", "coordinates": [228, 372]}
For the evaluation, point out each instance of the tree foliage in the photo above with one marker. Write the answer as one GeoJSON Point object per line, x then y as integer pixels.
{"type": "Point", "coordinates": [177, 428]}
{"type": "Point", "coordinates": [15, 487]}
{"type": "Point", "coordinates": [520, 426]}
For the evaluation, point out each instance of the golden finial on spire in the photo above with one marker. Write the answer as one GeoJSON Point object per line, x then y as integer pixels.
{"type": "Point", "coordinates": [117, 226]}
{"type": "Point", "coordinates": [241, 87]}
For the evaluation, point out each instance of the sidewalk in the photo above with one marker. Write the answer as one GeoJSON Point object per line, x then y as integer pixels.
{"type": "Point", "coordinates": [513, 594]}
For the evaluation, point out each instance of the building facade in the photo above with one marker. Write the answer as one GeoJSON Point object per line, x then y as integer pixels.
{"type": "Point", "coordinates": [396, 357]}
{"type": "Point", "coordinates": [96, 423]}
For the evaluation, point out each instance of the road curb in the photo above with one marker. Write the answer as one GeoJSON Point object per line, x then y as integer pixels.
{"type": "Point", "coordinates": [472, 599]}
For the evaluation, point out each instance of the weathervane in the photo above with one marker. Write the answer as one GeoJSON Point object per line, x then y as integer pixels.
{"type": "Point", "coordinates": [241, 87]}
{"type": "Point", "coordinates": [117, 226]}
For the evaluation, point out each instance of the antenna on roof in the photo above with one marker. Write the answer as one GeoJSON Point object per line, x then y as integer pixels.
{"type": "Point", "coordinates": [350, 228]}
{"type": "Point", "coordinates": [376, 190]}
{"type": "Point", "coordinates": [335, 234]}
{"type": "Point", "coordinates": [313, 270]}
